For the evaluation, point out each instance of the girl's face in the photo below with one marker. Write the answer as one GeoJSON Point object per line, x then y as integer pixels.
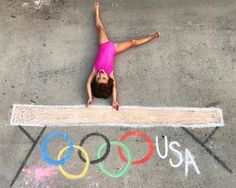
{"type": "Point", "coordinates": [102, 77]}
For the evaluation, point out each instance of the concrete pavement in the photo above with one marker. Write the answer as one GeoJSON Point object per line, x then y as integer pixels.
{"type": "Point", "coordinates": [47, 54]}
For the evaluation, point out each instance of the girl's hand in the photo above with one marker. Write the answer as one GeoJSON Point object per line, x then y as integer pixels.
{"type": "Point", "coordinates": [115, 105]}
{"type": "Point", "coordinates": [90, 100]}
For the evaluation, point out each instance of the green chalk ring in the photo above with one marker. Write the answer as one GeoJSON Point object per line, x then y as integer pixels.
{"type": "Point", "coordinates": [125, 169]}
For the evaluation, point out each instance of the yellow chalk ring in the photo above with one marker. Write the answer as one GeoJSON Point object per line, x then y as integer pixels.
{"type": "Point", "coordinates": [85, 170]}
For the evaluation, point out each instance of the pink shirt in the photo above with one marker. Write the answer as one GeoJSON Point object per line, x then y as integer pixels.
{"type": "Point", "coordinates": [105, 57]}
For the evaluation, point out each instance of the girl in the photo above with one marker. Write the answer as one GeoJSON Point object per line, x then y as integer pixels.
{"type": "Point", "coordinates": [101, 82]}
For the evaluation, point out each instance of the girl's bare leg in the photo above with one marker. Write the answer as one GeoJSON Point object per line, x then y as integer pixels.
{"type": "Point", "coordinates": [102, 36]}
{"type": "Point", "coordinates": [123, 46]}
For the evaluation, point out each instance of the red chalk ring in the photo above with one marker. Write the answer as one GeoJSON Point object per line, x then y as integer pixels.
{"type": "Point", "coordinates": [146, 138]}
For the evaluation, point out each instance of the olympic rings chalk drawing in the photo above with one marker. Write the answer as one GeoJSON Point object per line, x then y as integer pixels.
{"type": "Point", "coordinates": [126, 168]}
{"type": "Point", "coordinates": [83, 155]}
{"type": "Point", "coordinates": [146, 138]}
{"type": "Point", "coordinates": [105, 154]}
{"type": "Point", "coordinates": [44, 148]}
{"type": "Point", "coordinates": [83, 173]}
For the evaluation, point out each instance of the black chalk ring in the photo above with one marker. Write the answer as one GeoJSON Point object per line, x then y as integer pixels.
{"type": "Point", "coordinates": [106, 152]}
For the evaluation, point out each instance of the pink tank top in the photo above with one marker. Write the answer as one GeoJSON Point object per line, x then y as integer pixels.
{"type": "Point", "coordinates": [105, 57]}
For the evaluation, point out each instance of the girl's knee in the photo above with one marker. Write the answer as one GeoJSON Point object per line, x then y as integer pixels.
{"type": "Point", "coordinates": [100, 27]}
{"type": "Point", "coordinates": [133, 42]}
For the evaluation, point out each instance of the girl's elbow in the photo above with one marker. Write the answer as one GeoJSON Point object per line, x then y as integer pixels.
{"type": "Point", "coordinates": [88, 83]}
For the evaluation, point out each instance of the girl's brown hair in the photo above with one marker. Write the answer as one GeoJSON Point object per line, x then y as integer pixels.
{"type": "Point", "coordinates": [102, 90]}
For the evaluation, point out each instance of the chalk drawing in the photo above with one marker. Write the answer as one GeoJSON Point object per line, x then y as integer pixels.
{"type": "Point", "coordinates": [127, 116]}
{"type": "Point", "coordinates": [177, 152]}
{"type": "Point", "coordinates": [108, 145]}
{"type": "Point", "coordinates": [125, 169]}
{"type": "Point", "coordinates": [158, 149]}
{"type": "Point", "coordinates": [44, 148]}
{"type": "Point", "coordinates": [24, 115]}
{"type": "Point", "coordinates": [189, 159]}
{"type": "Point", "coordinates": [37, 4]}
{"type": "Point", "coordinates": [36, 176]}
{"type": "Point", "coordinates": [146, 138]}
{"type": "Point", "coordinates": [85, 170]}
{"type": "Point", "coordinates": [40, 173]}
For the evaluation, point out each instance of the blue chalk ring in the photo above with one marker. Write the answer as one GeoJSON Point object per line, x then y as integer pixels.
{"type": "Point", "coordinates": [44, 148]}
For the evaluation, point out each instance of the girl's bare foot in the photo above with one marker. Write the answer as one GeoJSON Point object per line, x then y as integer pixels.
{"type": "Point", "coordinates": [96, 6]}
{"type": "Point", "coordinates": [155, 35]}
{"type": "Point", "coordinates": [96, 9]}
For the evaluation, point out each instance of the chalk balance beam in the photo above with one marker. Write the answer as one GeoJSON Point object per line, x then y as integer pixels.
{"type": "Point", "coordinates": [127, 116]}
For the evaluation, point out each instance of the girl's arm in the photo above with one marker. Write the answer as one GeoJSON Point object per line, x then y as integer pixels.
{"type": "Point", "coordinates": [88, 85]}
{"type": "Point", "coordinates": [115, 104]}
{"type": "Point", "coordinates": [114, 93]}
